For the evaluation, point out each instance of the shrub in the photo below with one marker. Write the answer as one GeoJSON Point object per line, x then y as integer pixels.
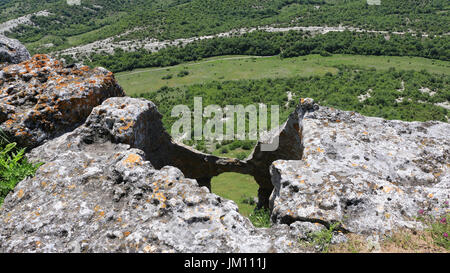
{"type": "Point", "coordinates": [14, 167]}
{"type": "Point", "coordinates": [241, 156]}
{"type": "Point", "coordinates": [182, 73]}
{"type": "Point", "coordinates": [260, 218]}
{"type": "Point", "coordinates": [247, 145]}
{"type": "Point", "coordinates": [322, 238]}
{"type": "Point", "coordinates": [235, 145]}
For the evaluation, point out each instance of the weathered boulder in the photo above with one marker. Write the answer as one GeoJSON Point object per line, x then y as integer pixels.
{"type": "Point", "coordinates": [285, 143]}
{"type": "Point", "coordinates": [95, 193]}
{"type": "Point", "coordinates": [12, 51]}
{"type": "Point", "coordinates": [369, 174]}
{"type": "Point", "coordinates": [41, 99]}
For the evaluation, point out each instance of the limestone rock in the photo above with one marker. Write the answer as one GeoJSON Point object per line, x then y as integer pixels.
{"type": "Point", "coordinates": [12, 51]}
{"type": "Point", "coordinates": [41, 99]}
{"type": "Point", "coordinates": [97, 194]}
{"type": "Point", "coordinates": [369, 174]}
{"type": "Point", "coordinates": [284, 142]}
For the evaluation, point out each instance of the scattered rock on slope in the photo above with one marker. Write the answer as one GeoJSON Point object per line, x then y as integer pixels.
{"type": "Point", "coordinates": [41, 99]}
{"type": "Point", "coordinates": [369, 174]}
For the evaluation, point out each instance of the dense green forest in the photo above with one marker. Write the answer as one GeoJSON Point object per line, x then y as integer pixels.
{"type": "Point", "coordinates": [99, 19]}
{"type": "Point", "coordinates": [391, 94]}
{"type": "Point", "coordinates": [287, 44]}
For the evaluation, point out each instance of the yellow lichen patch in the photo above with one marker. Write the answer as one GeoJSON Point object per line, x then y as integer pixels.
{"type": "Point", "coordinates": [20, 193]}
{"type": "Point", "coordinates": [133, 159]}
{"type": "Point", "coordinates": [97, 208]}
{"type": "Point", "coordinates": [71, 187]}
{"type": "Point", "coordinates": [126, 127]}
{"type": "Point", "coordinates": [320, 150]}
{"type": "Point", "coordinates": [430, 195]}
{"type": "Point", "coordinates": [126, 233]}
{"type": "Point", "coordinates": [7, 218]}
{"type": "Point", "coordinates": [148, 249]}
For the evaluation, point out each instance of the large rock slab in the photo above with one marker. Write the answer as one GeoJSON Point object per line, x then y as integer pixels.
{"type": "Point", "coordinates": [369, 174]}
{"type": "Point", "coordinates": [41, 99]}
{"type": "Point", "coordinates": [96, 193]}
{"type": "Point", "coordinates": [12, 51]}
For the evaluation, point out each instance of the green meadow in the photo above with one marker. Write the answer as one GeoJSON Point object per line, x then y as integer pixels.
{"type": "Point", "coordinates": [227, 68]}
{"type": "Point", "coordinates": [237, 187]}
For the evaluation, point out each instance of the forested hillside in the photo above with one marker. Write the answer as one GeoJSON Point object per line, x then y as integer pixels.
{"type": "Point", "coordinates": [287, 44]}
{"type": "Point", "coordinates": [67, 26]}
{"type": "Point", "coordinates": [391, 94]}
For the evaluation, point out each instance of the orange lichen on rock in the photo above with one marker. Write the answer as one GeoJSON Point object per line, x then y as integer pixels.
{"type": "Point", "coordinates": [60, 96]}
{"type": "Point", "coordinates": [133, 159]}
{"type": "Point", "coordinates": [20, 194]}
{"type": "Point", "coordinates": [126, 127]}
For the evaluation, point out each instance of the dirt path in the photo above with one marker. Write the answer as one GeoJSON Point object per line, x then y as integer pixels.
{"type": "Point", "coordinates": [108, 45]}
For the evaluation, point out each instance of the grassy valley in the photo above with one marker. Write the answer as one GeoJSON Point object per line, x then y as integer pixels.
{"type": "Point", "coordinates": [226, 68]}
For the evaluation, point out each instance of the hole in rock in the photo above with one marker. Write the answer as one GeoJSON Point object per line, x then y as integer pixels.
{"type": "Point", "coordinates": [240, 188]}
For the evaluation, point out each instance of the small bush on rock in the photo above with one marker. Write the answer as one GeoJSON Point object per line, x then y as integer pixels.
{"type": "Point", "coordinates": [14, 167]}
{"type": "Point", "coordinates": [260, 218]}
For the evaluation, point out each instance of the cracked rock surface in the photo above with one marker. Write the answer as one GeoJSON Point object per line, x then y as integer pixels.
{"type": "Point", "coordinates": [369, 174]}
{"type": "Point", "coordinates": [96, 194]}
